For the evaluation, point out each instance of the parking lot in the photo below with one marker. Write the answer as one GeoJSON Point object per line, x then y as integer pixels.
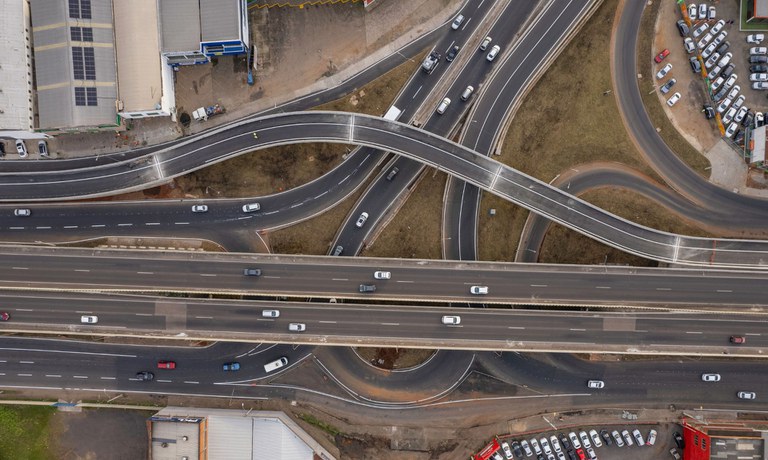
{"type": "Point", "coordinates": [659, 450]}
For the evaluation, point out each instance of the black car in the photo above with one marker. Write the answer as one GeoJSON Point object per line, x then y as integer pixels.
{"type": "Point", "coordinates": [452, 53]}
{"type": "Point", "coordinates": [695, 64]}
{"type": "Point", "coordinates": [679, 441]}
{"type": "Point", "coordinates": [727, 71]}
{"type": "Point", "coordinates": [723, 48]}
{"type": "Point", "coordinates": [748, 119]}
{"type": "Point", "coordinates": [758, 68]}
{"type": "Point", "coordinates": [758, 59]}
{"type": "Point", "coordinates": [682, 27]}
{"type": "Point", "coordinates": [2, 149]}
{"type": "Point", "coordinates": [565, 442]}
{"type": "Point", "coordinates": [252, 272]}
{"type": "Point", "coordinates": [367, 288]}
{"type": "Point", "coordinates": [517, 450]}
{"type": "Point", "coordinates": [604, 433]}
{"type": "Point", "coordinates": [145, 376]}
{"type": "Point", "coordinates": [572, 455]}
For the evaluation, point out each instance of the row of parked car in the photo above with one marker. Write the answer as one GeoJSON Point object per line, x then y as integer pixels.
{"type": "Point", "coordinates": [21, 148]}
{"type": "Point", "coordinates": [573, 446]}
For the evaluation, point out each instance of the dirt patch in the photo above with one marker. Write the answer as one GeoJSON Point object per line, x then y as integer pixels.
{"type": "Point", "coordinates": [562, 245]}
{"type": "Point", "coordinates": [414, 232]}
{"type": "Point", "coordinates": [394, 358]}
{"type": "Point", "coordinates": [103, 433]}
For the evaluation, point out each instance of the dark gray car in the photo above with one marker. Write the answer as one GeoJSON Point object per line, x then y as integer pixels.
{"type": "Point", "coordinates": [367, 288]}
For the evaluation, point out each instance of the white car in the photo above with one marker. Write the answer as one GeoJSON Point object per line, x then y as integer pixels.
{"type": "Point", "coordinates": [702, 11]}
{"type": "Point", "coordinates": [199, 208]}
{"type": "Point", "coordinates": [21, 148]}
{"type": "Point", "coordinates": [717, 83]}
{"type": "Point", "coordinates": [270, 313]}
{"type": "Point", "coordinates": [705, 40]}
{"type": "Point", "coordinates": [726, 59]}
{"type": "Point", "coordinates": [555, 444]}
{"type": "Point", "coordinates": [493, 53]}
{"type": "Point", "coordinates": [651, 438]}
{"type": "Point", "coordinates": [726, 119]}
{"type": "Point", "coordinates": [717, 27]}
{"type": "Point", "coordinates": [712, 13]}
{"type": "Point", "coordinates": [693, 12]}
{"type": "Point", "coordinates": [526, 448]}
{"type": "Point", "coordinates": [734, 91]}
{"type": "Point", "coordinates": [673, 100]}
{"type": "Point", "coordinates": [507, 450]}
{"type": "Point", "coordinates": [598, 384]}
{"type": "Point", "coordinates": [759, 119]}
{"type": "Point", "coordinates": [690, 47]}
{"type": "Point", "coordinates": [545, 446]}
{"type": "Point", "coordinates": [755, 38]}
{"type": "Point", "coordinates": [758, 50]}
{"type": "Point", "coordinates": [760, 85]}
{"type": "Point", "coordinates": [382, 275]}
{"type": "Point", "coordinates": [710, 377]}
{"type": "Point", "coordinates": [595, 438]}
{"type": "Point", "coordinates": [740, 114]}
{"type": "Point", "coordinates": [535, 445]}
{"type": "Point", "coordinates": [747, 395]}
{"type": "Point", "coordinates": [700, 30]}
{"type": "Point", "coordinates": [585, 439]}
{"type": "Point", "coordinates": [479, 290]}
{"type": "Point", "coordinates": [709, 50]}
{"type": "Point", "coordinates": [719, 38]}
{"type": "Point", "coordinates": [89, 319]}
{"type": "Point", "coordinates": [664, 71]}
{"type": "Point", "coordinates": [457, 22]}
{"type": "Point", "coordinates": [574, 440]}
{"type": "Point", "coordinates": [297, 327]}
{"type": "Point", "coordinates": [361, 220]}
{"type": "Point", "coordinates": [252, 207]}
{"type": "Point", "coordinates": [627, 438]}
{"type": "Point", "coordinates": [451, 320]}
{"type": "Point", "coordinates": [731, 80]}
{"type": "Point", "coordinates": [22, 212]}
{"type": "Point", "coordinates": [712, 60]}
{"type": "Point", "coordinates": [758, 77]}
{"type": "Point", "coordinates": [638, 437]}
{"type": "Point", "coordinates": [617, 438]}
{"type": "Point", "coordinates": [724, 105]}
{"type": "Point", "coordinates": [732, 128]}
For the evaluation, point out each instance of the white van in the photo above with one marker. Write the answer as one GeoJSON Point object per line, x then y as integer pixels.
{"type": "Point", "coordinates": [276, 364]}
{"type": "Point", "coordinates": [443, 106]}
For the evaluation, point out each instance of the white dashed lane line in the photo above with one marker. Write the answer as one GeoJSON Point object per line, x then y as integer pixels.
{"type": "Point", "coordinates": [577, 330]}
{"type": "Point", "coordinates": [204, 317]}
{"type": "Point", "coordinates": [145, 273]}
{"type": "Point", "coordinates": [26, 362]}
{"type": "Point", "coordinates": [191, 382]}
{"type": "Point", "coordinates": [693, 332]}
{"type": "Point", "coordinates": [24, 375]}
{"type": "Point", "coordinates": [181, 223]}
{"type": "Point", "coordinates": [107, 378]}
{"type": "Point", "coordinates": [98, 225]}
{"type": "Point", "coordinates": [17, 228]}
{"type": "Point", "coordinates": [57, 376]}
{"type": "Point", "coordinates": [164, 381]}
{"type": "Point", "coordinates": [19, 268]}
{"type": "Point", "coordinates": [70, 226]}
{"type": "Point", "coordinates": [207, 274]}
{"type": "Point", "coordinates": [80, 376]}
{"type": "Point", "coordinates": [125, 225]}
{"type": "Point", "coordinates": [152, 223]}
{"type": "Point", "coordinates": [82, 270]}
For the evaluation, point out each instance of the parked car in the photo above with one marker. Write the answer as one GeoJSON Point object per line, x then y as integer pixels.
{"type": "Point", "coordinates": [535, 445]}
{"type": "Point", "coordinates": [693, 12]}
{"type": "Point", "coordinates": [760, 85]}
{"type": "Point", "coordinates": [758, 68]}
{"type": "Point", "coordinates": [660, 57]}
{"type": "Point", "coordinates": [663, 71]}
{"type": "Point", "coordinates": [682, 27]}
{"type": "Point", "coordinates": [627, 438]}
{"type": "Point", "coordinates": [705, 40]}
{"type": "Point", "coordinates": [606, 437]}
{"type": "Point", "coordinates": [617, 438]}
{"type": "Point", "coordinates": [725, 60]}
{"type": "Point", "coordinates": [638, 437]}
{"type": "Point", "coordinates": [574, 440]}
{"type": "Point", "coordinates": [717, 83]}
{"type": "Point", "coordinates": [595, 438]}
{"type": "Point", "coordinates": [707, 52]}
{"type": "Point", "coordinates": [711, 13]}
{"type": "Point", "coordinates": [673, 100]}
{"type": "Point", "coordinates": [42, 148]}
{"type": "Point", "coordinates": [758, 50]}
{"type": "Point", "coordinates": [166, 364]}
{"type": "Point", "coordinates": [700, 30]}
{"type": "Point", "coordinates": [728, 117]}
{"type": "Point", "coordinates": [651, 438]}
{"type": "Point", "coordinates": [758, 59]}
{"type": "Point", "coordinates": [728, 71]}
{"type": "Point", "coordinates": [723, 47]}
{"type": "Point", "coordinates": [747, 395]}
{"type": "Point", "coordinates": [674, 454]}
{"type": "Point", "coordinates": [679, 441]}
{"type": "Point", "coordinates": [695, 64]}
{"type": "Point", "coordinates": [717, 27]}
{"type": "Point", "coordinates": [690, 47]}
{"type": "Point", "coordinates": [710, 377]}
{"type": "Point", "coordinates": [526, 448]}
{"type": "Point", "coordinates": [748, 119]}
{"type": "Point", "coordinates": [668, 85]}
{"type": "Point", "coordinates": [507, 450]}
{"type": "Point", "coordinates": [703, 11]}
{"type": "Point", "coordinates": [755, 38]}
{"type": "Point", "coordinates": [21, 148]}
{"type": "Point", "coordinates": [555, 444]}
{"type": "Point", "coordinates": [734, 92]}
{"type": "Point", "coordinates": [712, 60]}
{"type": "Point", "coordinates": [565, 442]}
{"type": "Point", "coordinates": [759, 121]}
{"type": "Point", "coordinates": [724, 105]}
{"type": "Point", "coordinates": [758, 77]}
{"type": "Point", "coordinates": [740, 114]}
{"type": "Point", "coordinates": [709, 112]}
{"type": "Point", "coordinates": [584, 439]}
{"type": "Point", "coordinates": [731, 80]}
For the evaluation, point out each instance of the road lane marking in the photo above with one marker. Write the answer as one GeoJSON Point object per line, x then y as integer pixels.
{"type": "Point", "coordinates": [191, 382]}
{"type": "Point", "coordinates": [663, 289]}
{"type": "Point", "coordinates": [53, 375]}
{"type": "Point", "coordinates": [143, 314]}
{"type": "Point", "coordinates": [26, 362]}
{"type": "Point", "coordinates": [204, 317]}
{"type": "Point", "coordinates": [17, 228]}
{"type": "Point", "coordinates": [272, 277]}
{"type": "Point", "coordinates": [318, 196]}
{"type": "Point", "coordinates": [753, 333]}
{"type": "Point", "coordinates": [327, 322]}
{"type": "Point", "coordinates": [181, 223]}
{"type": "Point", "coordinates": [264, 319]}
{"type": "Point", "coordinates": [417, 92]}
{"type": "Point", "coordinates": [85, 270]}
{"type": "Point", "coordinates": [693, 332]}
{"type": "Point", "coordinates": [107, 378]}
{"type": "Point", "coordinates": [125, 225]}
{"type": "Point", "coordinates": [539, 285]}
{"type": "Point", "coordinates": [164, 381]}
{"type": "Point", "coordinates": [207, 274]}
{"type": "Point", "coordinates": [405, 281]}
{"type": "Point", "coordinates": [19, 268]}
{"type": "Point", "coordinates": [724, 290]}
{"type": "Point", "coordinates": [24, 375]}
{"type": "Point", "coordinates": [152, 223]}
{"type": "Point", "coordinates": [145, 273]}
{"type": "Point", "coordinates": [602, 287]}
{"type": "Point", "coordinates": [70, 226]}
{"type": "Point", "coordinates": [43, 228]}
{"type": "Point", "coordinates": [390, 324]}
{"type": "Point", "coordinates": [24, 309]}
{"type": "Point", "coordinates": [79, 376]}
{"type": "Point", "coordinates": [3, 361]}
{"type": "Point", "coordinates": [343, 180]}
{"type": "Point", "coordinates": [578, 330]}
{"type": "Point", "coordinates": [515, 327]}
{"type": "Point", "coordinates": [339, 279]}
{"type": "Point", "coordinates": [296, 205]}
{"type": "Point", "coordinates": [98, 226]}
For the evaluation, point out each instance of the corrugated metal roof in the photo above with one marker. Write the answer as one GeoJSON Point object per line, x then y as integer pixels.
{"type": "Point", "coordinates": [15, 79]}
{"type": "Point", "coordinates": [219, 20]}
{"type": "Point", "coordinates": [180, 25]}
{"type": "Point", "coordinates": [758, 136]}
{"type": "Point", "coordinates": [54, 69]}
{"type": "Point", "coordinates": [138, 56]}
{"type": "Point", "coordinates": [273, 440]}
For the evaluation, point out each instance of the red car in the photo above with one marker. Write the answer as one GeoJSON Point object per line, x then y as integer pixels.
{"type": "Point", "coordinates": [5, 316]}
{"type": "Point", "coordinates": [660, 57]}
{"type": "Point", "coordinates": [580, 453]}
{"type": "Point", "coordinates": [166, 365]}
{"type": "Point", "coordinates": [738, 339]}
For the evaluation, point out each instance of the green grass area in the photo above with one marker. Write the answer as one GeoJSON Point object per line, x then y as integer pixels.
{"type": "Point", "coordinates": [24, 432]}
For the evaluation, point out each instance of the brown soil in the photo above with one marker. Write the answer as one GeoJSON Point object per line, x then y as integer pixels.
{"type": "Point", "coordinates": [395, 358]}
